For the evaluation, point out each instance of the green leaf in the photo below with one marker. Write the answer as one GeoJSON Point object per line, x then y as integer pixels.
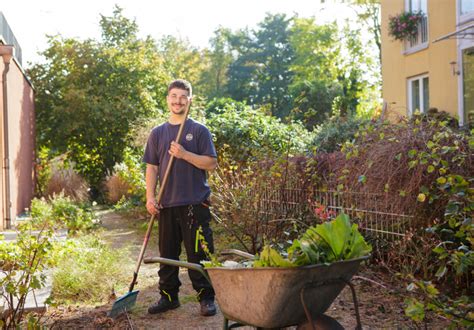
{"type": "Point", "coordinates": [412, 163]}
{"type": "Point", "coordinates": [415, 310]}
{"type": "Point", "coordinates": [441, 271]}
{"type": "Point", "coordinates": [344, 241]}
{"type": "Point", "coordinates": [362, 179]}
{"type": "Point", "coordinates": [270, 257]}
{"type": "Point", "coordinates": [431, 289]}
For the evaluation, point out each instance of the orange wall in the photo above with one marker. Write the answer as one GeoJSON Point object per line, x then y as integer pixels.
{"type": "Point", "coordinates": [434, 60]}
{"type": "Point", "coordinates": [21, 129]}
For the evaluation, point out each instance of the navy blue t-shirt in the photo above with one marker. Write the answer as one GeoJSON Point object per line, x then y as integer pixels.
{"type": "Point", "coordinates": [186, 184]}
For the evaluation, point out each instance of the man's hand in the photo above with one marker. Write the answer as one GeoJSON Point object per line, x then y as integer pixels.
{"type": "Point", "coordinates": [152, 206]}
{"type": "Point", "coordinates": [177, 150]}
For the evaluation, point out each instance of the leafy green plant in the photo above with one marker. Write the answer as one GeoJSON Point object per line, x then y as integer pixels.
{"type": "Point", "coordinates": [43, 170]}
{"type": "Point", "coordinates": [243, 135]}
{"type": "Point", "coordinates": [62, 212]}
{"type": "Point", "coordinates": [324, 243]}
{"type": "Point", "coordinates": [22, 265]}
{"type": "Point", "coordinates": [127, 179]}
{"type": "Point", "coordinates": [333, 133]}
{"type": "Point", "coordinates": [458, 310]}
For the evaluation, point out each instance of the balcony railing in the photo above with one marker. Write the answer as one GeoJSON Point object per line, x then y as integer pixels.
{"type": "Point", "coordinates": [421, 38]}
{"type": "Point", "coordinates": [8, 37]}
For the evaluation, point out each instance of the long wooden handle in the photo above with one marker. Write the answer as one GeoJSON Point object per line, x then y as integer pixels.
{"type": "Point", "coordinates": [158, 199]}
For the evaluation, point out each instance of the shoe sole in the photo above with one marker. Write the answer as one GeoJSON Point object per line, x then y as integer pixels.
{"type": "Point", "coordinates": [209, 314]}
{"type": "Point", "coordinates": [163, 311]}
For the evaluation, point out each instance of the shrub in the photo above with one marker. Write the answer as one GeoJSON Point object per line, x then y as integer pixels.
{"type": "Point", "coordinates": [422, 168]}
{"type": "Point", "coordinates": [127, 179]}
{"type": "Point", "coordinates": [246, 135]}
{"type": "Point", "coordinates": [21, 270]}
{"type": "Point", "coordinates": [61, 211]}
{"type": "Point", "coordinates": [56, 175]}
{"type": "Point", "coordinates": [240, 201]}
{"type": "Point", "coordinates": [223, 104]}
{"type": "Point", "coordinates": [69, 183]}
{"type": "Point", "coordinates": [332, 134]}
{"type": "Point", "coordinates": [87, 270]}
{"type": "Point", "coordinates": [116, 189]}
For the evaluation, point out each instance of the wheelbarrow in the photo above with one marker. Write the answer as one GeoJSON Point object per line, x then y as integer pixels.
{"type": "Point", "coordinates": [276, 297]}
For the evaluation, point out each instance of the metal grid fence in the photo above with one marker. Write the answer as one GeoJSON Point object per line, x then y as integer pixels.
{"type": "Point", "coordinates": [372, 212]}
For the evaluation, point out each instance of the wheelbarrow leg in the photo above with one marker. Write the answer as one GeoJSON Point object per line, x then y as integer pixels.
{"type": "Point", "coordinates": [354, 298]}
{"type": "Point", "coordinates": [356, 304]}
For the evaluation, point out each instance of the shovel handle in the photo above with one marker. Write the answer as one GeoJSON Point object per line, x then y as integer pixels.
{"type": "Point", "coordinates": [171, 262]}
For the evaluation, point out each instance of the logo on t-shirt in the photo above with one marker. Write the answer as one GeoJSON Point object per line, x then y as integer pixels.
{"type": "Point", "coordinates": [189, 137]}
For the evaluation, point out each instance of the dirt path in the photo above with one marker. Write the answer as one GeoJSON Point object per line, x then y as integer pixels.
{"type": "Point", "coordinates": [379, 306]}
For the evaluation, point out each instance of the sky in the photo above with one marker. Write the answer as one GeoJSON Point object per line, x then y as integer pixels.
{"type": "Point", "coordinates": [195, 20]}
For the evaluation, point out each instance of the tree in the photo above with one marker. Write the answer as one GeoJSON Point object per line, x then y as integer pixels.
{"type": "Point", "coordinates": [315, 84]}
{"type": "Point", "coordinates": [213, 80]}
{"type": "Point", "coordinates": [89, 93]}
{"type": "Point", "coordinates": [368, 12]}
{"type": "Point", "coordinates": [329, 69]}
{"type": "Point", "coordinates": [260, 73]}
{"type": "Point", "coordinates": [181, 60]}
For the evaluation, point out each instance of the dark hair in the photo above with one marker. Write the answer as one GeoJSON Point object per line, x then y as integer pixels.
{"type": "Point", "coordinates": [181, 84]}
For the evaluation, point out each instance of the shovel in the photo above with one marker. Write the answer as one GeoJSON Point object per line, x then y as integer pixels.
{"type": "Point", "coordinates": [127, 301]}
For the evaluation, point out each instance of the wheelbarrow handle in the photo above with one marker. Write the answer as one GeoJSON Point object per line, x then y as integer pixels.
{"type": "Point", "coordinates": [177, 263]}
{"type": "Point", "coordinates": [238, 253]}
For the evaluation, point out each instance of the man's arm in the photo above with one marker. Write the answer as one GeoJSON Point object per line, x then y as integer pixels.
{"type": "Point", "coordinates": [203, 162]}
{"type": "Point", "coordinates": [151, 178]}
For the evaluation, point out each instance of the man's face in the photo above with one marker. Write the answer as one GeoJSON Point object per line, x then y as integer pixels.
{"type": "Point", "coordinates": [178, 100]}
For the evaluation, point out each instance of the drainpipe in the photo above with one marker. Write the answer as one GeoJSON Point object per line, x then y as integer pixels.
{"type": "Point", "coordinates": [6, 51]}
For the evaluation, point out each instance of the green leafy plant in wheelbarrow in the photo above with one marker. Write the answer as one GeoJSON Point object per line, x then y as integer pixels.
{"type": "Point", "coordinates": [325, 243]}
{"type": "Point", "coordinates": [275, 291]}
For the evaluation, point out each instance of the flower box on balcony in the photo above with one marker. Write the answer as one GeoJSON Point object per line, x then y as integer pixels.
{"type": "Point", "coordinates": [405, 25]}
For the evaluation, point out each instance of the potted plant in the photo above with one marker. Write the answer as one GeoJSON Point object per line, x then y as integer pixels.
{"type": "Point", "coordinates": [404, 25]}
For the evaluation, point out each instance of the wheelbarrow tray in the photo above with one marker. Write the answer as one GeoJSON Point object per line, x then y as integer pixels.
{"type": "Point", "coordinates": [269, 297]}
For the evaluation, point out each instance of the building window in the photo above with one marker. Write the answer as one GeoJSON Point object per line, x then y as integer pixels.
{"type": "Point", "coordinates": [420, 40]}
{"type": "Point", "coordinates": [466, 6]}
{"type": "Point", "coordinates": [468, 87]}
{"type": "Point", "coordinates": [418, 94]}
{"type": "Point", "coordinates": [417, 5]}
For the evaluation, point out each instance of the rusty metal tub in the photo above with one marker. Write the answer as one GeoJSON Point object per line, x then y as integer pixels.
{"type": "Point", "coordinates": [271, 297]}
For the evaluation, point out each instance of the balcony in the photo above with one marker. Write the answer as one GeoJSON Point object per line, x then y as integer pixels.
{"type": "Point", "coordinates": [7, 37]}
{"type": "Point", "coordinates": [420, 40]}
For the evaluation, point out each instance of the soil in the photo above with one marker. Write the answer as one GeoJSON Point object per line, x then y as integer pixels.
{"type": "Point", "coordinates": [380, 300]}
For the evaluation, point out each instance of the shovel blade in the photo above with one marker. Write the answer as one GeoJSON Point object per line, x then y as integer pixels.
{"type": "Point", "coordinates": [124, 303]}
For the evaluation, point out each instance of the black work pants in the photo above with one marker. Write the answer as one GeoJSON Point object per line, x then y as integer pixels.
{"type": "Point", "coordinates": [180, 224]}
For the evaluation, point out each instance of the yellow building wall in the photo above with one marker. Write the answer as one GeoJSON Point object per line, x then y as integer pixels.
{"type": "Point", "coordinates": [398, 66]}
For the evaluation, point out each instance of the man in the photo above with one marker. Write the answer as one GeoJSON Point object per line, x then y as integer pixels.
{"type": "Point", "coordinates": [184, 207]}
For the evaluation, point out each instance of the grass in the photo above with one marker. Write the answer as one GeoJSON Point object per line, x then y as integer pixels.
{"type": "Point", "coordinates": [88, 271]}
